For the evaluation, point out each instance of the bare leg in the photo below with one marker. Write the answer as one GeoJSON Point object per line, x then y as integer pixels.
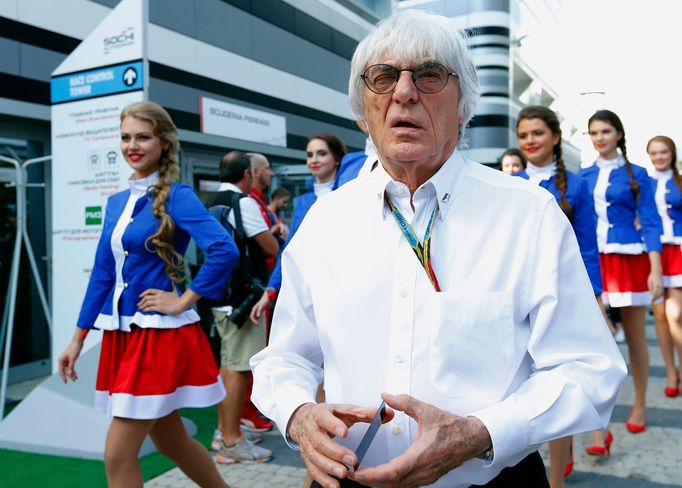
{"type": "Point", "coordinates": [231, 407]}
{"type": "Point", "coordinates": [124, 439]}
{"type": "Point", "coordinates": [635, 334]}
{"type": "Point", "coordinates": [598, 438]}
{"type": "Point", "coordinates": [171, 440]}
{"type": "Point", "coordinates": [665, 342]}
{"type": "Point", "coordinates": [558, 458]}
{"type": "Point", "coordinates": [223, 371]}
{"type": "Point", "coordinates": [674, 313]}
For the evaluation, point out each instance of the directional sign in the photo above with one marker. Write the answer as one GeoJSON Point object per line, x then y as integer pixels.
{"type": "Point", "coordinates": [108, 80]}
{"type": "Point", "coordinates": [129, 76]}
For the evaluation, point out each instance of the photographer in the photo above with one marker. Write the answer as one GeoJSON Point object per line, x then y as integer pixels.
{"type": "Point", "coordinates": [240, 337]}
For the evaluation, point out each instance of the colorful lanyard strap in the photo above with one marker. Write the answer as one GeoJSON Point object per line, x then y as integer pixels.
{"type": "Point", "coordinates": [421, 249]}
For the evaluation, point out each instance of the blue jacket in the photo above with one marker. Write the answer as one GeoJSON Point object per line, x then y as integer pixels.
{"type": "Point", "coordinates": [616, 226]}
{"type": "Point", "coordinates": [143, 269]}
{"type": "Point", "coordinates": [583, 221]}
{"type": "Point", "coordinates": [669, 205]}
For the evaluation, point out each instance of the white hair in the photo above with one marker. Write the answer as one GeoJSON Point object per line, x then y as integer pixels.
{"type": "Point", "coordinates": [413, 35]}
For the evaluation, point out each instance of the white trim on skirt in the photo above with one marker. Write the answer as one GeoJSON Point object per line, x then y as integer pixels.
{"type": "Point", "coordinates": [626, 298]}
{"type": "Point", "coordinates": [156, 406]}
{"type": "Point", "coordinates": [674, 281]}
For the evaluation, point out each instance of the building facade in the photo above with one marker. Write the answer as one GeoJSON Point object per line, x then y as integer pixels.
{"type": "Point", "coordinates": [286, 58]}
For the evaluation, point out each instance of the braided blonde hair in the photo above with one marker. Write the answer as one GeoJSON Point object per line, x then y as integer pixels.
{"type": "Point", "coordinates": [162, 239]}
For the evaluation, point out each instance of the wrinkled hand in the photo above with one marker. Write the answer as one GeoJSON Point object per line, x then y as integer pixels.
{"type": "Point", "coordinates": [313, 426]}
{"type": "Point", "coordinates": [166, 302]}
{"type": "Point", "coordinates": [655, 284]}
{"type": "Point", "coordinates": [67, 360]}
{"type": "Point", "coordinates": [444, 441]}
{"type": "Point", "coordinates": [259, 307]}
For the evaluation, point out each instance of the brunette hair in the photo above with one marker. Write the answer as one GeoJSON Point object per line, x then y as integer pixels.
{"type": "Point", "coordinates": [514, 152]}
{"type": "Point", "coordinates": [169, 169]}
{"type": "Point", "coordinates": [612, 119]}
{"type": "Point", "coordinates": [552, 122]}
{"type": "Point", "coordinates": [673, 152]}
{"type": "Point", "coordinates": [335, 145]}
{"type": "Point", "coordinates": [280, 192]}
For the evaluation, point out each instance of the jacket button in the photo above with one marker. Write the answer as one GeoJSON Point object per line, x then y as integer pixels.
{"type": "Point", "coordinates": [126, 253]}
{"type": "Point", "coordinates": [131, 220]}
{"type": "Point", "coordinates": [125, 285]}
{"type": "Point", "coordinates": [610, 226]}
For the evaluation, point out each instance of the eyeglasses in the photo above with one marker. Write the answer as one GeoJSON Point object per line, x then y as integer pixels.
{"type": "Point", "coordinates": [428, 77]}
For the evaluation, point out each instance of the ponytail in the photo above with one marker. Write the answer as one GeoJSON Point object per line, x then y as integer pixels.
{"type": "Point", "coordinates": [634, 185]}
{"type": "Point", "coordinates": [561, 181]}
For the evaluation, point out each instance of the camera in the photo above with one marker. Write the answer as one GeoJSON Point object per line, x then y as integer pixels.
{"type": "Point", "coordinates": [252, 292]}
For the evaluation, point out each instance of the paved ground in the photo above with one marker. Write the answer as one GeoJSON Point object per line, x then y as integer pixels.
{"type": "Point", "coordinates": [652, 459]}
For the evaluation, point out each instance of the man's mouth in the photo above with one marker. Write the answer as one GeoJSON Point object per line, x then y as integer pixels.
{"type": "Point", "coordinates": [405, 123]}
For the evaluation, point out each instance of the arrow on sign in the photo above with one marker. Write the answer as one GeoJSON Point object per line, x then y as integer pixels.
{"type": "Point", "coordinates": [129, 76]}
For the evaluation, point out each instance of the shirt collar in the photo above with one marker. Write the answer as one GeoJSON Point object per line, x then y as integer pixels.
{"type": "Point", "coordinates": [540, 172]}
{"type": "Point", "coordinates": [611, 163]}
{"type": "Point", "coordinates": [139, 187]}
{"type": "Point", "coordinates": [322, 189]}
{"type": "Point", "coordinates": [445, 183]}
{"type": "Point", "coordinates": [663, 175]}
{"type": "Point", "coordinates": [225, 186]}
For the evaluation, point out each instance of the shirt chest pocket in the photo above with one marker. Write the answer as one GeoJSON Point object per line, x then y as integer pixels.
{"type": "Point", "coordinates": [471, 344]}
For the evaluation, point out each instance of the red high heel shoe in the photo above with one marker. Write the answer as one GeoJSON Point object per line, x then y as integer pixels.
{"type": "Point", "coordinates": [671, 392]}
{"type": "Point", "coordinates": [604, 450]}
{"type": "Point", "coordinates": [635, 428]}
{"type": "Point", "coordinates": [569, 466]}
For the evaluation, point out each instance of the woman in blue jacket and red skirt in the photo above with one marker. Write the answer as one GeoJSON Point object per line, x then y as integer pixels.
{"type": "Point", "coordinates": [154, 358]}
{"type": "Point", "coordinates": [667, 184]}
{"type": "Point", "coordinates": [539, 137]}
{"type": "Point", "coordinates": [628, 236]}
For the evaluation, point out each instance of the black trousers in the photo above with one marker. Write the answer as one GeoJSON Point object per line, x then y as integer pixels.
{"type": "Point", "coordinates": [529, 473]}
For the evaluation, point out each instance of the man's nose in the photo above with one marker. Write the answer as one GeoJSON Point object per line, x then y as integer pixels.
{"type": "Point", "coordinates": [405, 89]}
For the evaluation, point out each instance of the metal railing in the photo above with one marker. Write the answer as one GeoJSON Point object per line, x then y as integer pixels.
{"type": "Point", "coordinates": [7, 329]}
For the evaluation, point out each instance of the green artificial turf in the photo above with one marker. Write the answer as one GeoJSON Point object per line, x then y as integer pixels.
{"type": "Point", "coordinates": [24, 470]}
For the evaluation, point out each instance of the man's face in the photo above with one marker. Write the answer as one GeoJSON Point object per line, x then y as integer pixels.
{"type": "Point", "coordinates": [262, 175]}
{"type": "Point", "coordinates": [411, 127]}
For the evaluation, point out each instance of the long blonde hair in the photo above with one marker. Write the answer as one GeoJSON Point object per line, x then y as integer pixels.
{"type": "Point", "coordinates": [162, 239]}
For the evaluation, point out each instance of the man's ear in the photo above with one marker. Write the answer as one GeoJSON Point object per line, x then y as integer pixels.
{"type": "Point", "coordinates": [363, 125]}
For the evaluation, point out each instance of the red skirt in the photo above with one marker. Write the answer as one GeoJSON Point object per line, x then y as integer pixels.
{"type": "Point", "coordinates": [671, 262]}
{"type": "Point", "coordinates": [147, 373]}
{"type": "Point", "coordinates": [624, 279]}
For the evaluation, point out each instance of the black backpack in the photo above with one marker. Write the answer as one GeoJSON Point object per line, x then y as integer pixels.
{"type": "Point", "coordinates": [247, 282]}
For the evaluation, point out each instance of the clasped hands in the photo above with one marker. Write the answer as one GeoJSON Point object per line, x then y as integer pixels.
{"type": "Point", "coordinates": [444, 441]}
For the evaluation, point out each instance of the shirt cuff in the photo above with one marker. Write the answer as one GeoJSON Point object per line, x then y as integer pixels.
{"type": "Point", "coordinates": [509, 429]}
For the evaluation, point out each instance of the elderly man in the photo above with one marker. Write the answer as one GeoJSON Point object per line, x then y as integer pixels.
{"type": "Point", "coordinates": [483, 336]}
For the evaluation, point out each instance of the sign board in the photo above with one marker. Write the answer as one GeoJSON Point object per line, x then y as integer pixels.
{"type": "Point", "coordinates": [230, 120]}
{"type": "Point", "coordinates": [105, 73]}
{"type": "Point", "coordinates": [108, 80]}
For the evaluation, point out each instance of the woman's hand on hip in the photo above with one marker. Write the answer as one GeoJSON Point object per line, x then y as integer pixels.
{"type": "Point", "coordinates": [166, 302]}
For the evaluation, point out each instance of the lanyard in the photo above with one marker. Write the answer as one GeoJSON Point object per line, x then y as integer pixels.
{"type": "Point", "coordinates": [421, 249]}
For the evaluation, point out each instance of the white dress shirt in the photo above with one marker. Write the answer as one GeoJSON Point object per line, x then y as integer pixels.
{"type": "Point", "coordinates": [515, 338]}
